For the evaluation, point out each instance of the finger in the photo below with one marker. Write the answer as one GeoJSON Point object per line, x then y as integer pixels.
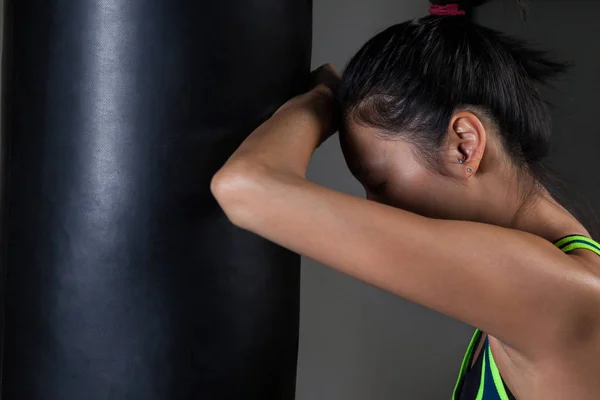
{"type": "Point", "coordinates": [326, 75]}
{"type": "Point", "coordinates": [331, 69]}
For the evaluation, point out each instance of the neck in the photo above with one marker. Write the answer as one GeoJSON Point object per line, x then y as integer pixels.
{"type": "Point", "coordinates": [542, 215]}
{"type": "Point", "coordinates": [548, 219]}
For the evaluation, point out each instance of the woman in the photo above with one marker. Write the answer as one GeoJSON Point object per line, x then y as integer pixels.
{"type": "Point", "coordinates": [441, 122]}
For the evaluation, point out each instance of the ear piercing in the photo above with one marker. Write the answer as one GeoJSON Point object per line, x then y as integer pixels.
{"type": "Point", "coordinates": [461, 161]}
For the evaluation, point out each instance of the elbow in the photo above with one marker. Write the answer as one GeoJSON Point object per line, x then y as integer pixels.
{"type": "Point", "coordinates": [235, 188]}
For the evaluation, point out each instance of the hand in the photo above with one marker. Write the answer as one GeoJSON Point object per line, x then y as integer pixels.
{"type": "Point", "coordinates": [319, 100]}
{"type": "Point", "coordinates": [325, 77]}
{"type": "Point", "coordinates": [324, 82]}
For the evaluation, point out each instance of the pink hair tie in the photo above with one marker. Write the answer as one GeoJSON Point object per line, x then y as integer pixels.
{"type": "Point", "coordinates": [447, 10]}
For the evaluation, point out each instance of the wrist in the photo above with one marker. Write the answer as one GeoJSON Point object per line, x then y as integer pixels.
{"type": "Point", "coordinates": [322, 90]}
{"type": "Point", "coordinates": [321, 103]}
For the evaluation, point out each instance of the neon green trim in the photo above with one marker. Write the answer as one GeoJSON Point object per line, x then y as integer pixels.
{"type": "Point", "coordinates": [570, 238]}
{"type": "Point", "coordinates": [465, 363]}
{"type": "Point", "coordinates": [496, 375]}
{"type": "Point", "coordinates": [482, 380]}
{"type": "Point", "coordinates": [576, 246]}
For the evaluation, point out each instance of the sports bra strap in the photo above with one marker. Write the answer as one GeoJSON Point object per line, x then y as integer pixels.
{"type": "Point", "coordinates": [575, 242]}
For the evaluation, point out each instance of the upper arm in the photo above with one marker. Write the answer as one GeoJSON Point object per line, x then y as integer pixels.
{"type": "Point", "coordinates": [511, 284]}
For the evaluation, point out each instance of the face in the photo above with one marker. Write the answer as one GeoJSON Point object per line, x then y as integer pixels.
{"type": "Point", "coordinates": [392, 173]}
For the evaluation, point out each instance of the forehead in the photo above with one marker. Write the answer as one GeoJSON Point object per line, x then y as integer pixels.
{"type": "Point", "coordinates": [370, 155]}
{"type": "Point", "coordinates": [360, 147]}
{"type": "Point", "coordinates": [365, 148]}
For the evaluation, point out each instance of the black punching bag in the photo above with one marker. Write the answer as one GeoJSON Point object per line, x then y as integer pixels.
{"type": "Point", "coordinates": [124, 280]}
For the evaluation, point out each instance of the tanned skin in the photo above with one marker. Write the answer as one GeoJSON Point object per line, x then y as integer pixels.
{"type": "Point", "coordinates": [459, 243]}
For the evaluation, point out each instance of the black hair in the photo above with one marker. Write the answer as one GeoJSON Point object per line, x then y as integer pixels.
{"type": "Point", "coordinates": [408, 80]}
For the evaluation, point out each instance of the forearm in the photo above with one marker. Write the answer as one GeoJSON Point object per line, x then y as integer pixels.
{"type": "Point", "coordinates": [286, 141]}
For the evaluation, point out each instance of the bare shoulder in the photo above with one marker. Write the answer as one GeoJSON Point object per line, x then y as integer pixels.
{"type": "Point", "coordinates": [569, 368]}
{"type": "Point", "coordinates": [584, 332]}
{"type": "Point", "coordinates": [587, 331]}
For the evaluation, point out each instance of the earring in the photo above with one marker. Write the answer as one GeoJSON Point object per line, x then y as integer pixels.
{"type": "Point", "coordinates": [461, 161]}
{"type": "Point", "coordinates": [469, 170]}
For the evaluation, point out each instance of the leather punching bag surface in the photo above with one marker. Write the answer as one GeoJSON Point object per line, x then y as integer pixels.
{"type": "Point", "coordinates": [124, 280]}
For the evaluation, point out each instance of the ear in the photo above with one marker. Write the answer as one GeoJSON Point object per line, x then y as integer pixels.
{"type": "Point", "coordinates": [466, 144]}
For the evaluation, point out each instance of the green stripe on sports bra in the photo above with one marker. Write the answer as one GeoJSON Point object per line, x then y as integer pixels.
{"type": "Point", "coordinates": [465, 363]}
{"type": "Point", "coordinates": [569, 238]}
{"type": "Point", "coordinates": [574, 242]}
{"type": "Point", "coordinates": [576, 246]}
{"type": "Point", "coordinates": [576, 238]}
{"type": "Point", "coordinates": [498, 382]}
{"type": "Point", "coordinates": [482, 381]}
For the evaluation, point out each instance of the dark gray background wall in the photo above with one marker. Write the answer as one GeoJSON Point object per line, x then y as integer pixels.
{"type": "Point", "coordinates": [358, 343]}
